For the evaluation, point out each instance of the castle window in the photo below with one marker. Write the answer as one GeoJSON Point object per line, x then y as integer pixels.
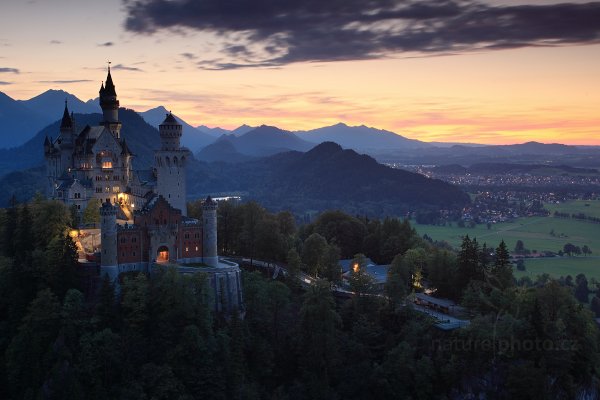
{"type": "Point", "coordinates": [133, 240]}
{"type": "Point", "coordinates": [187, 249]}
{"type": "Point", "coordinates": [134, 253]}
{"type": "Point", "coordinates": [79, 206]}
{"type": "Point", "coordinates": [196, 248]}
{"type": "Point", "coordinates": [107, 189]}
{"type": "Point", "coordinates": [98, 190]}
{"type": "Point", "coordinates": [107, 164]}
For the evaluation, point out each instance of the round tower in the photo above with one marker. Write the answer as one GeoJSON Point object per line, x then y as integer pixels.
{"type": "Point", "coordinates": [209, 229]}
{"type": "Point", "coordinates": [108, 230]}
{"type": "Point", "coordinates": [110, 106]}
{"type": "Point", "coordinates": [171, 162]}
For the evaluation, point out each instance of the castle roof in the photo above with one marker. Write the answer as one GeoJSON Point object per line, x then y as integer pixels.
{"type": "Point", "coordinates": [125, 149]}
{"type": "Point", "coordinates": [170, 120]}
{"type": "Point", "coordinates": [109, 87]}
{"type": "Point", "coordinates": [66, 122]}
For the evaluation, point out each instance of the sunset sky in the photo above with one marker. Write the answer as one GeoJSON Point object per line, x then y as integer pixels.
{"type": "Point", "coordinates": [435, 70]}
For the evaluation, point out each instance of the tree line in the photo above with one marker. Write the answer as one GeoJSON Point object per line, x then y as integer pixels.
{"type": "Point", "coordinates": [158, 338]}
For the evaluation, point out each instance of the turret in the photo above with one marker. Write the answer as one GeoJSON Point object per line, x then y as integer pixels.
{"type": "Point", "coordinates": [209, 228]}
{"type": "Point", "coordinates": [110, 106]}
{"type": "Point", "coordinates": [170, 133]}
{"type": "Point", "coordinates": [108, 229]}
{"type": "Point", "coordinates": [171, 163]}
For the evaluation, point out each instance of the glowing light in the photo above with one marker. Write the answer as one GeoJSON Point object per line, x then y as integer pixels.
{"type": "Point", "coordinates": [74, 233]}
{"type": "Point", "coordinates": [356, 268]}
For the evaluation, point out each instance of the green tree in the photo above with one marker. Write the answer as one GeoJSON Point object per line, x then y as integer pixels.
{"type": "Point", "coordinates": [501, 272]}
{"type": "Point", "coordinates": [62, 271]}
{"type": "Point", "coordinates": [581, 288]}
{"type": "Point", "coordinates": [313, 251]}
{"type": "Point", "coordinates": [27, 354]}
{"type": "Point", "coordinates": [469, 267]}
{"type": "Point", "coordinates": [317, 341]}
{"type": "Point", "coordinates": [91, 213]}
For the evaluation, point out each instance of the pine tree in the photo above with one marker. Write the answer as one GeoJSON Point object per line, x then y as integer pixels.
{"type": "Point", "coordinates": [502, 270]}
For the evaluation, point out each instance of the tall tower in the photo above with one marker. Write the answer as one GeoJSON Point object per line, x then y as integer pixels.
{"type": "Point", "coordinates": [108, 228]}
{"type": "Point", "coordinates": [110, 106]}
{"type": "Point", "coordinates": [66, 140]}
{"type": "Point", "coordinates": [171, 162]}
{"type": "Point", "coordinates": [209, 232]}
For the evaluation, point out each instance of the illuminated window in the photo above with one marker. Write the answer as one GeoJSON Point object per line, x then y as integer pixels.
{"type": "Point", "coordinates": [187, 249]}
{"type": "Point", "coordinates": [196, 248]}
{"type": "Point", "coordinates": [115, 189]}
{"type": "Point", "coordinates": [106, 164]}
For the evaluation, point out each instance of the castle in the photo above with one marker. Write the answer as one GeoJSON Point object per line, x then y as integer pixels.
{"type": "Point", "coordinates": [143, 219]}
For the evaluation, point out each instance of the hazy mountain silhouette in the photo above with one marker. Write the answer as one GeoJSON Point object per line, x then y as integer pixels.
{"type": "Point", "coordinates": [224, 150]}
{"type": "Point", "coordinates": [214, 132]}
{"type": "Point", "coordinates": [19, 123]}
{"type": "Point", "coordinates": [51, 104]}
{"type": "Point", "coordinates": [268, 140]}
{"type": "Point", "coordinates": [360, 137]}
{"type": "Point", "coordinates": [192, 138]}
{"type": "Point", "coordinates": [240, 130]}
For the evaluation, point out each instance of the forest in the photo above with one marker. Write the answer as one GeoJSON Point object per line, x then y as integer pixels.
{"type": "Point", "coordinates": [156, 336]}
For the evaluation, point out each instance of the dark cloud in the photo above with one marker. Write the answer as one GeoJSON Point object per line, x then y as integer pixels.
{"type": "Point", "coordinates": [2, 83]}
{"type": "Point", "coordinates": [67, 81]}
{"type": "Point", "coordinates": [122, 67]}
{"type": "Point", "coordinates": [189, 56]}
{"type": "Point", "coordinates": [106, 44]}
{"type": "Point", "coordinates": [11, 70]}
{"type": "Point", "coordinates": [276, 32]}
{"type": "Point", "coordinates": [55, 42]}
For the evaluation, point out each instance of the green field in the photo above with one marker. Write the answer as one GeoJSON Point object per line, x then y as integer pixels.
{"type": "Point", "coordinates": [533, 231]}
{"type": "Point", "coordinates": [561, 266]}
{"type": "Point", "coordinates": [588, 207]}
{"type": "Point", "coordinates": [535, 234]}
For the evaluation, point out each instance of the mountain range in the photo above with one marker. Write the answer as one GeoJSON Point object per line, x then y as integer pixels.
{"type": "Point", "coordinates": [22, 120]}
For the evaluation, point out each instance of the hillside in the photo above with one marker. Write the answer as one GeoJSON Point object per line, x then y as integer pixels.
{"type": "Point", "coordinates": [329, 177]}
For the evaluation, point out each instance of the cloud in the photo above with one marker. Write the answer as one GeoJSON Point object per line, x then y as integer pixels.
{"type": "Point", "coordinates": [189, 56]}
{"type": "Point", "coordinates": [271, 33]}
{"type": "Point", "coordinates": [122, 67]}
{"type": "Point", "coordinates": [2, 83]}
{"type": "Point", "coordinates": [106, 44]}
{"type": "Point", "coordinates": [9, 70]}
{"type": "Point", "coordinates": [56, 42]}
{"type": "Point", "coordinates": [67, 81]}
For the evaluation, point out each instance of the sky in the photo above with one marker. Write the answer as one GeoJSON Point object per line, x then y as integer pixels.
{"type": "Point", "coordinates": [485, 71]}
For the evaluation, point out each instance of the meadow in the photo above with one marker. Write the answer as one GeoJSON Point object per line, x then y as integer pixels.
{"type": "Point", "coordinates": [540, 234]}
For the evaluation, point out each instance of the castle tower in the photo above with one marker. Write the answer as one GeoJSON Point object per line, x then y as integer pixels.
{"type": "Point", "coordinates": [209, 229]}
{"type": "Point", "coordinates": [110, 106]}
{"type": "Point", "coordinates": [66, 140]}
{"type": "Point", "coordinates": [171, 162]}
{"type": "Point", "coordinates": [108, 228]}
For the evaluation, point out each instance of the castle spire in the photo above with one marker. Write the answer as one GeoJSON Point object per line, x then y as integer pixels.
{"type": "Point", "coordinates": [66, 122]}
{"type": "Point", "coordinates": [110, 86]}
